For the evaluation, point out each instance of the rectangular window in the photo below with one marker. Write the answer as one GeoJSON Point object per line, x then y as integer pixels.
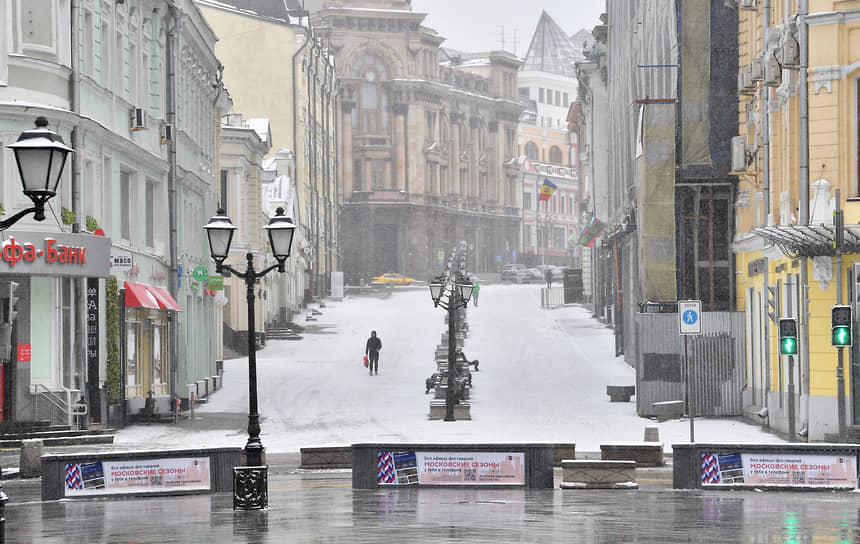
{"type": "Point", "coordinates": [558, 98]}
{"type": "Point", "coordinates": [87, 67]}
{"type": "Point", "coordinates": [104, 49]}
{"type": "Point", "coordinates": [150, 213]}
{"type": "Point", "coordinates": [377, 174]}
{"type": "Point", "coordinates": [224, 191]}
{"type": "Point", "coordinates": [558, 237]}
{"type": "Point", "coordinates": [566, 100]}
{"type": "Point", "coordinates": [527, 201]}
{"type": "Point", "coordinates": [540, 95]}
{"type": "Point", "coordinates": [356, 175]}
{"type": "Point", "coordinates": [126, 204]}
{"type": "Point", "coordinates": [527, 236]}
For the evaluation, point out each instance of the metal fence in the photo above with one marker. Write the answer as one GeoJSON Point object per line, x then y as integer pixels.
{"type": "Point", "coordinates": [716, 358]}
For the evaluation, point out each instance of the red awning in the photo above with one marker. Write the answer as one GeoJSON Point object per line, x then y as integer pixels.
{"type": "Point", "coordinates": [165, 300]}
{"type": "Point", "coordinates": [137, 295]}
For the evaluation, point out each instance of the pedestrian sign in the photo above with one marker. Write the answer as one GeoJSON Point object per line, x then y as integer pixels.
{"type": "Point", "coordinates": [690, 316]}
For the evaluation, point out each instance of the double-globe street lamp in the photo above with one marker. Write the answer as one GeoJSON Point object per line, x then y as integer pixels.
{"type": "Point", "coordinates": [250, 482]}
{"type": "Point", "coordinates": [41, 156]}
{"type": "Point", "coordinates": [451, 291]}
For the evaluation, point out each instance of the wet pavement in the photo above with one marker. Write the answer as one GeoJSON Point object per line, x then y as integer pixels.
{"type": "Point", "coordinates": [321, 506]}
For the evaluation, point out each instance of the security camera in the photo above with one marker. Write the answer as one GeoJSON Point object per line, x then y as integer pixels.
{"type": "Point", "coordinates": [803, 432]}
{"type": "Point", "coordinates": [763, 413]}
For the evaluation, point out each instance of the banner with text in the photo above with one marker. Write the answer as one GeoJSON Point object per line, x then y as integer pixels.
{"type": "Point", "coordinates": [779, 469]}
{"type": "Point", "coordinates": [137, 476]}
{"type": "Point", "coordinates": [451, 468]}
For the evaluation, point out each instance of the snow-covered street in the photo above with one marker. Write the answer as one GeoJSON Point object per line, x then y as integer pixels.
{"type": "Point", "coordinates": [543, 377]}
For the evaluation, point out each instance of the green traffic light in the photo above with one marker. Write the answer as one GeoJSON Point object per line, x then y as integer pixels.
{"type": "Point", "coordinates": [841, 336]}
{"type": "Point", "coordinates": [788, 346]}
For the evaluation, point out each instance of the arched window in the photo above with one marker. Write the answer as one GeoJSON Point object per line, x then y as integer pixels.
{"type": "Point", "coordinates": [555, 155]}
{"type": "Point", "coordinates": [531, 151]}
{"type": "Point", "coordinates": [371, 115]}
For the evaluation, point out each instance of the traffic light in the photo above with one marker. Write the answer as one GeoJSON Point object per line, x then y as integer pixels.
{"type": "Point", "coordinates": [788, 336]}
{"type": "Point", "coordinates": [840, 325]}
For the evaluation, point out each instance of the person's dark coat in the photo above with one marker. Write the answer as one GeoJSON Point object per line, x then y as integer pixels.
{"type": "Point", "coordinates": [374, 344]}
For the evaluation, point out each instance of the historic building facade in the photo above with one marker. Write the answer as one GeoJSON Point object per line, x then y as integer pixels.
{"type": "Point", "coordinates": [428, 145]}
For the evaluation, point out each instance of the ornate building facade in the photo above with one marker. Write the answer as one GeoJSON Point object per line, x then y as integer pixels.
{"type": "Point", "coordinates": [428, 145]}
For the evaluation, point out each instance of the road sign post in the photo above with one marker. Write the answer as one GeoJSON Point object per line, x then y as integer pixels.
{"type": "Point", "coordinates": [689, 322]}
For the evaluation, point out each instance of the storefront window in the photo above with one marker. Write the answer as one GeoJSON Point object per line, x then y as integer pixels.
{"type": "Point", "coordinates": [132, 360]}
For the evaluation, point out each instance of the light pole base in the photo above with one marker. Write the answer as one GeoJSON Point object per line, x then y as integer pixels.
{"type": "Point", "coordinates": [250, 488]}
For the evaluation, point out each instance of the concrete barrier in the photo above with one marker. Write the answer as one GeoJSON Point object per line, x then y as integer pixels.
{"type": "Point", "coordinates": [598, 474]}
{"type": "Point", "coordinates": [646, 454]}
{"type": "Point", "coordinates": [620, 393]}
{"type": "Point", "coordinates": [537, 461]}
{"type": "Point", "coordinates": [30, 463]}
{"type": "Point", "coordinates": [326, 457]}
{"type": "Point", "coordinates": [461, 410]}
{"type": "Point", "coordinates": [54, 470]}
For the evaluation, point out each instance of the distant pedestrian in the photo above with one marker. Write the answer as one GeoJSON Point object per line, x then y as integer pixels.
{"type": "Point", "coordinates": [371, 349]}
{"type": "Point", "coordinates": [476, 289]}
{"type": "Point", "coordinates": [547, 276]}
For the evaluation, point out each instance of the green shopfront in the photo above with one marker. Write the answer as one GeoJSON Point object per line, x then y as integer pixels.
{"type": "Point", "coordinates": [49, 348]}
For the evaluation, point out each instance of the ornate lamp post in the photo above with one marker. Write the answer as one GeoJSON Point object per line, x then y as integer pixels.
{"type": "Point", "coordinates": [452, 292]}
{"type": "Point", "coordinates": [250, 482]}
{"type": "Point", "coordinates": [41, 155]}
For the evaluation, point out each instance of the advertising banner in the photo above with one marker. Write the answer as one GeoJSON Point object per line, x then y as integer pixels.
{"type": "Point", "coordinates": [55, 254]}
{"type": "Point", "coordinates": [137, 476]}
{"type": "Point", "coordinates": [450, 468]}
{"type": "Point", "coordinates": [754, 469]}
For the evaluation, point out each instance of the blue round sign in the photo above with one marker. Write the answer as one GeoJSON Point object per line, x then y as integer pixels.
{"type": "Point", "coordinates": [690, 317]}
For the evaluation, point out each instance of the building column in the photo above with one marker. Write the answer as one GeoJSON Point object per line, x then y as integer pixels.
{"type": "Point", "coordinates": [474, 155]}
{"type": "Point", "coordinates": [346, 149]}
{"type": "Point", "coordinates": [454, 158]}
{"type": "Point", "coordinates": [400, 147]}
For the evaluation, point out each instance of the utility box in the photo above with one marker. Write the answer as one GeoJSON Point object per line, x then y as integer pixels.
{"type": "Point", "coordinates": [572, 281]}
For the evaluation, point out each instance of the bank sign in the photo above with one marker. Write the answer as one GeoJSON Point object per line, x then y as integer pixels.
{"type": "Point", "coordinates": [54, 254]}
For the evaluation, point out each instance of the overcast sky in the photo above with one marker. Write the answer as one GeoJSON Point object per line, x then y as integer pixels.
{"type": "Point", "coordinates": [476, 25]}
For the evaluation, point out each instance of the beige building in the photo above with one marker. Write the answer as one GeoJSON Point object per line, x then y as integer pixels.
{"type": "Point", "coordinates": [276, 69]}
{"type": "Point", "coordinates": [427, 144]}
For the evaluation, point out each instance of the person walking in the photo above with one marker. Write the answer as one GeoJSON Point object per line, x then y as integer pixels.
{"type": "Point", "coordinates": [476, 289]}
{"type": "Point", "coordinates": [547, 276]}
{"type": "Point", "coordinates": [371, 349]}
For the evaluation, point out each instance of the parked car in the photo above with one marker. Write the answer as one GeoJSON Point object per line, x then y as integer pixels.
{"type": "Point", "coordinates": [390, 278]}
{"type": "Point", "coordinates": [517, 273]}
{"type": "Point", "coordinates": [535, 274]}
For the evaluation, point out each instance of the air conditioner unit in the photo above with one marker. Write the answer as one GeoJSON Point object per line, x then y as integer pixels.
{"type": "Point", "coordinates": [790, 52]}
{"type": "Point", "coordinates": [772, 70]}
{"type": "Point", "coordinates": [755, 70]}
{"type": "Point", "coordinates": [745, 83]}
{"type": "Point", "coordinates": [748, 5]}
{"type": "Point", "coordinates": [138, 119]}
{"type": "Point", "coordinates": [739, 160]}
{"type": "Point", "coordinates": [166, 133]}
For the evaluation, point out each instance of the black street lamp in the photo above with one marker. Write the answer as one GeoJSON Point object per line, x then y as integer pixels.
{"type": "Point", "coordinates": [452, 292]}
{"type": "Point", "coordinates": [250, 482]}
{"type": "Point", "coordinates": [41, 155]}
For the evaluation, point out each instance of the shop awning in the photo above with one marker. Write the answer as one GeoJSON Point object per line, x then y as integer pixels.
{"type": "Point", "coordinates": [164, 298]}
{"type": "Point", "coordinates": [137, 295]}
{"type": "Point", "coordinates": [810, 241]}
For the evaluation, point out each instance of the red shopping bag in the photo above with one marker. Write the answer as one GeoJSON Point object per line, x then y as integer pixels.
{"type": "Point", "coordinates": [365, 361]}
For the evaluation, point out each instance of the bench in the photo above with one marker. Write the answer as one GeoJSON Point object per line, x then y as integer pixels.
{"type": "Point", "coordinates": [646, 454]}
{"type": "Point", "coordinates": [598, 474]}
{"type": "Point", "coordinates": [326, 457]}
{"type": "Point", "coordinates": [620, 393]}
{"type": "Point", "coordinates": [668, 409]}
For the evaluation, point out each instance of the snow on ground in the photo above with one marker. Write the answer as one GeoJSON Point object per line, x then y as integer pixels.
{"type": "Point", "coordinates": [543, 377]}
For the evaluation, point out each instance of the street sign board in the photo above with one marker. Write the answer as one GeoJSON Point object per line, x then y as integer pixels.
{"type": "Point", "coordinates": [121, 260]}
{"type": "Point", "coordinates": [690, 316]}
{"type": "Point", "coordinates": [216, 283]}
{"type": "Point", "coordinates": [200, 273]}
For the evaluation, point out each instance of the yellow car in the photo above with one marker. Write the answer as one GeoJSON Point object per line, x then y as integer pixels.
{"type": "Point", "coordinates": [392, 279]}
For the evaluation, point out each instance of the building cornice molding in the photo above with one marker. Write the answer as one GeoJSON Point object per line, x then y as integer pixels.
{"type": "Point", "coordinates": [833, 17]}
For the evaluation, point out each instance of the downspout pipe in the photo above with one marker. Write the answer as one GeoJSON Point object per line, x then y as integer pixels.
{"type": "Point", "coordinates": [295, 150]}
{"type": "Point", "coordinates": [175, 14]}
{"type": "Point", "coordinates": [803, 212]}
{"type": "Point", "coordinates": [765, 115]}
{"type": "Point", "coordinates": [80, 370]}
{"type": "Point", "coordinates": [765, 169]}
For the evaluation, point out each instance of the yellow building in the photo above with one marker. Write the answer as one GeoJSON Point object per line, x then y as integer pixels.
{"type": "Point", "coordinates": [798, 159]}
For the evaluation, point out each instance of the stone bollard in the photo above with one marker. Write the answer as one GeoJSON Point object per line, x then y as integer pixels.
{"type": "Point", "coordinates": [652, 434]}
{"type": "Point", "coordinates": [31, 458]}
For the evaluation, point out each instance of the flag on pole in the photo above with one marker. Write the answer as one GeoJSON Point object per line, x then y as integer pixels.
{"type": "Point", "coordinates": [590, 232]}
{"type": "Point", "coordinates": [546, 190]}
